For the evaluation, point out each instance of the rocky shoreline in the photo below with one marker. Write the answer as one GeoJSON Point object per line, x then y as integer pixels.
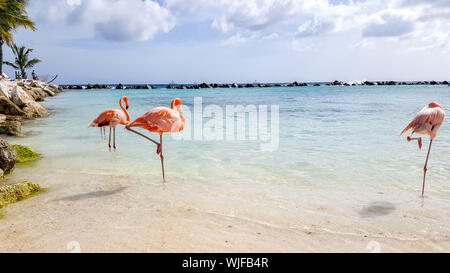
{"type": "Point", "coordinates": [19, 103]}
{"type": "Point", "coordinates": [248, 85]}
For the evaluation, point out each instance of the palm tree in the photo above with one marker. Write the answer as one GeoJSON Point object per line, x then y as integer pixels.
{"type": "Point", "coordinates": [21, 61]}
{"type": "Point", "coordinates": [12, 15]}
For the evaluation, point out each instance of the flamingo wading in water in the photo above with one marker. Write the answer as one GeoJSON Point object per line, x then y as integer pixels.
{"type": "Point", "coordinates": [426, 122]}
{"type": "Point", "coordinates": [160, 120]}
{"type": "Point", "coordinates": [111, 118]}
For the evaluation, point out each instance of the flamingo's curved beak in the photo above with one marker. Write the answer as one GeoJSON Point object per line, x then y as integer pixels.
{"type": "Point", "coordinates": [126, 107]}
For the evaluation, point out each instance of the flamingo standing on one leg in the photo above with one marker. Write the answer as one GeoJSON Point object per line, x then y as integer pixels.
{"type": "Point", "coordinates": [427, 121]}
{"type": "Point", "coordinates": [160, 120]}
{"type": "Point", "coordinates": [111, 118]}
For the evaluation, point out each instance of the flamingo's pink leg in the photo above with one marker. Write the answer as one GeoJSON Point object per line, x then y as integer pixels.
{"type": "Point", "coordinates": [419, 140]}
{"type": "Point", "coordinates": [142, 135]}
{"type": "Point", "coordinates": [109, 142]}
{"type": "Point", "coordinates": [114, 138]}
{"type": "Point", "coordinates": [159, 151]}
{"type": "Point", "coordinates": [425, 168]}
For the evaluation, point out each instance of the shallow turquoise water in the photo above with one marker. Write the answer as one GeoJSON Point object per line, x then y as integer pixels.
{"type": "Point", "coordinates": [343, 139]}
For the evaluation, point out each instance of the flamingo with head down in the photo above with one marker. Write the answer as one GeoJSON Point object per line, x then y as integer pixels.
{"type": "Point", "coordinates": [427, 121]}
{"type": "Point", "coordinates": [160, 120]}
{"type": "Point", "coordinates": [111, 118]}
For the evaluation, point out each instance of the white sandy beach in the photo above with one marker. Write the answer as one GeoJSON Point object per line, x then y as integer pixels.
{"type": "Point", "coordinates": [105, 213]}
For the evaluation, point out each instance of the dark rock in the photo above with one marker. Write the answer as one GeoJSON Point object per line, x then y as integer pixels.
{"type": "Point", "coordinates": [248, 85]}
{"type": "Point", "coordinates": [368, 83]}
{"type": "Point", "coordinates": [316, 84]}
{"type": "Point", "coordinates": [11, 128]}
{"type": "Point", "coordinates": [119, 86]}
{"type": "Point", "coordinates": [336, 83]}
{"type": "Point", "coordinates": [204, 85]}
{"type": "Point", "coordinates": [8, 157]}
{"type": "Point", "coordinates": [7, 107]}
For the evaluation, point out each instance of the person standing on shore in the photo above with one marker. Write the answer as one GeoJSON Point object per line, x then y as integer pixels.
{"type": "Point", "coordinates": [33, 74]}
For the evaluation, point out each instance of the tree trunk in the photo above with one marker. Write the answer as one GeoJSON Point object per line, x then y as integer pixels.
{"type": "Point", "coordinates": [24, 74]}
{"type": "Point", "coordinates": [1, 57]}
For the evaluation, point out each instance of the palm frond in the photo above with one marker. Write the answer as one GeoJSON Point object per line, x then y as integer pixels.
{"type": "Point", "coordinates": [11, 64]}
{"type": "Point", "coordinates": [32, 63]}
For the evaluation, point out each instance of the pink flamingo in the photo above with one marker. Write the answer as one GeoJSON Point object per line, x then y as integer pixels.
{"type": "Point", "coordinates": [111, 118]}
{"type": "Point", "coordinates": [160, 120]}
{"type": "Point", "coordinates": [427, 122]}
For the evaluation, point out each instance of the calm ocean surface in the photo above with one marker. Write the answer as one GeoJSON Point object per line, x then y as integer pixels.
{"type": "Point", "coordinates": [338, 146]}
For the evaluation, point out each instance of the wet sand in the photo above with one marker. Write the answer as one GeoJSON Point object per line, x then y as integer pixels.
{"type": "Point", "coordinates": [104, 213]}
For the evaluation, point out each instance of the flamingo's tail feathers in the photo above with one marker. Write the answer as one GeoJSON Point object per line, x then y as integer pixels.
{"type": "Point", "coordinates": [92, 125]}
{"type": "Point", "coordinates": [407, 128]}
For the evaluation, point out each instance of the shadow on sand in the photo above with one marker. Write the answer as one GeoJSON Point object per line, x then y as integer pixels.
{"type": "Point", "coordinates": [90, 195]}
{"type": "Point", "coordinates": [377, 209]}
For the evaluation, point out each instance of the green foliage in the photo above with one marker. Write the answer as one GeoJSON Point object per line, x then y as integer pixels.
{"type": "Point", "coordinates": [12, 15]}
{"type": "Point", "coordinates": [25, 154]}
{"type": "Point", "coordinates": [22, 62]}
{"type": "Point", "coordinates": [13, 193]}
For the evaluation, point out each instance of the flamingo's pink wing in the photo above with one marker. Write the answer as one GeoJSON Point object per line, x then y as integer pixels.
{"type": "Point", "coordinates": [160, 120]}
{"type": "Point", "coordinates": [107, 117]}
{"type": "Point", "coordinates": [434, 116]}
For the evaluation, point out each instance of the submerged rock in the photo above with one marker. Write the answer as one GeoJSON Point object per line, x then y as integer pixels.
{"type": "Point", "coordinates": [8, 156]}
{"type": "Point", "coordinates": [25, 154]}
{"type": "Point", "coordinates": [13, 193]}
{"type": "Point", "coordinates": [11, 128]}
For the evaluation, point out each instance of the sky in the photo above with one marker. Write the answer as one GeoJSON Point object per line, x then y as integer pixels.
{"type": "Point", "coordinates": [226, 41]}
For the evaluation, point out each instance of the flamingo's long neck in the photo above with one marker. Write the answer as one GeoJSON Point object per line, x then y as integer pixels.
{"type": "Point", "coordinates": [125, 110]}
{"type": "Point", "coordinates": [173, 105]}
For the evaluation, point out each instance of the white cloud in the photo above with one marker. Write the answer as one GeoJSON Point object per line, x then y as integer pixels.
{"type": "Point", "coordinates": [365, 44]}
{"type": "Point", "coordinates": [314, 27]}
{"type": "Point", "coordinates": [115, 20]}
{"type": "Point", "coordinates": [410, 23]}
{"type": "Point", "coordinates": [271, 36]}
{"type": "Point", "coordinates": [389, 25]}
{"type": "Point", "coordinates": [234, 40]}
